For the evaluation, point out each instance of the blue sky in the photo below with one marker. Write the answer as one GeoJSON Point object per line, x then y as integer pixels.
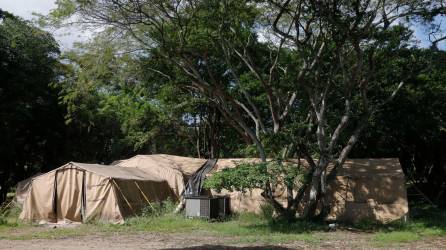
{"type": "Point", "coordinates": [25, 8]}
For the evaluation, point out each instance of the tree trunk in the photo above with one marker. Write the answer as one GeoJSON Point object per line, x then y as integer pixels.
{"type": "Point", "coordinates": [313, 195]}
{"type": "Point", "coordinates": [318, 191]}
{"type": "Point", "coordinates": [3, 193]}
{"type": "Point", "coordinates": [325, 206]}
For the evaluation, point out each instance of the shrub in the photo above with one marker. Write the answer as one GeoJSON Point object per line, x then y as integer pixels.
{"type": "Point", "coordinates": [266, 176]}
{"type": "Point", "coordinates": [247, 176]}
{"type": "Point", "coordinates": [158, 208]}
{"type": "Point", "coordinates": [9, 212]}
{"type": "Point", "coordinates": [267, 212]}
{"type": "Point", "coordinates": [3, 220]}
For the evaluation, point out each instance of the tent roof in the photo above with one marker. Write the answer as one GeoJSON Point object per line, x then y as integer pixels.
{"type": "Point", "coordinates": [352, 167]}
{"type": "Point", "coordinates": [113, 171]}
{"type": "Point", "coordinates": [186, 165]}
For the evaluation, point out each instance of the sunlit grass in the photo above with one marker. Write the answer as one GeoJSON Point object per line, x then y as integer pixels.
{"type": "Point", "coordinates": [244, 228]}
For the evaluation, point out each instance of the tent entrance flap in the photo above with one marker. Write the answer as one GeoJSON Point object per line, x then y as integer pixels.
{"type": "Point", "coordinates": [83, 198]}
{"type": "Point", "coordinates": [194, 185]}
{"type": "Point", "coordinates": [69, 194]}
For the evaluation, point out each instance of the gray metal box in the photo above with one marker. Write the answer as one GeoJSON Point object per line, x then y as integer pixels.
{"type": "Point", "coordinates": [207, 207]}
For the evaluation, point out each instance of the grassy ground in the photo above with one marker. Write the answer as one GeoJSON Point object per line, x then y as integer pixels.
{"type": "Point", "coordinates": [424, 223]}
{"type": "Point", "coordinates": [245, 228]}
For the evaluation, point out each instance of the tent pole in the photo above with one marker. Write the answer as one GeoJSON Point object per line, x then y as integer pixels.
{"type": "Point", "coordinates": [55, 200]}
{"type": "Point", "coordinates": [83, 199]}
{"type": "Point", "coordinates": [123, 196]}
{"type": "Point", "coordinates": [144, 195]}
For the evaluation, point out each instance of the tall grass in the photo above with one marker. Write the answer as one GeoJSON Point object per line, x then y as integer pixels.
{"type": "Point", "coordinates": [9, 214]}
{"type": "Point", "coordinates": [239, 228]}
{"type": "Point", "coordinates": [423, 222]}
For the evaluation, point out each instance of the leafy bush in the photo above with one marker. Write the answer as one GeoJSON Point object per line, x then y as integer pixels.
{"type": "Point", "coordinates": [266, 176]}
{"type": "Point", "coordinates": [158, 208]}
{"type": "Point", "coordinates": [3, 220]}
{"type": "Point", "coordinates": [267, 212]}
{"type": "Point", "coordinates": [9, 214]}
{"type": "Point", "coordinates": [247, 176]}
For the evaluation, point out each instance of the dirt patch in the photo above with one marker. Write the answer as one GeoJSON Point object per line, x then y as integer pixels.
{"type": "Point", "coordinates": [112, 241]}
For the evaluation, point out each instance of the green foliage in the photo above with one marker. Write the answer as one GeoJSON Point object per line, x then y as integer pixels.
{"type": "Point", "coordinates": [424, 221]}
{"type": "Point", "coordinates": [267, 212]}
{"type": "Point", "coordinates": [117, 95]}
{"type": "Point", "coordinates": [415, 229]}
{"type": "Point", "coordinates": [245, 228]}
{"type": "Point", "coordinates": [245, 225]}
{"type": "Point", "coordinates": [3, 220]}
{"type": "Point", "coordinates": [247, 176]}
{"type": "Point", "coordinates": [412, 126]}
{"type": "Point", "coordinates": [31, 127]}
{"type": "Point", "coordinates": [9, 214]}
{"type": "Point", "coordinates": [159, 208]}
{"type": "Point", "coordinates": [116, 106]}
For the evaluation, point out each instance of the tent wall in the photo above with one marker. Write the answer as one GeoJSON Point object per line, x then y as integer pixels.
{"type": "Point", "coordinates": [243, 202]}
{"type": "Point", "coordinates": [250, 201]}
{"type": "Point", "coordinates": [100, 199]}
{"type": "Point", "coordinates": [132, 196]}
{"type": "Point", "coordinates": [39, 204]}
{"type": "Point", "coordinates": [74, 192]}
{"type": "Point", "coordinates": [379, 198]}
{"type": "Point", "coordinates": [22, 189]}
{"type": "Point", "coordinates": [69, 193]}
{"type": "Point", "coordinates": [365, 189]}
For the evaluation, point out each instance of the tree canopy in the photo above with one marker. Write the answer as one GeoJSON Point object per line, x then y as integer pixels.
{"type": "Point", "coordinates": [29, 112]}
{"type": "Point", "coordinates": [316, 80]}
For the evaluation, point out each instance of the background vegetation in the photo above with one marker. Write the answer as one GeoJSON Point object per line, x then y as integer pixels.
{"type": "Point", "coordinates": [245, 228]}
{"type": "Point", "coordinates": [111, 97]}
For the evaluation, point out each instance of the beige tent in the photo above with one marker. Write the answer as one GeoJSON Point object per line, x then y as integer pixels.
{"type": "Point", "coordinates": [368, 189]}
{"type": "Point", "coordinates": [363, 189]}
{"type": "Point", "coordinates": [176, 170]}
{"type": "Point", "coordinates": [372, 189]}
{"type": "Point", "coordinates": [82, 192]}
{"type": "Point", "coordinates": [250, 201]}
{"type": "Point", "coordinates": [22, 189]}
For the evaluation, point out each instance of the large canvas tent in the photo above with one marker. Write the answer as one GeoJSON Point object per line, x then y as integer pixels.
{"type": "Point", "coordinates": [250, 201]}
{"type": "Point", "coordinates": [81, 192]}
{"type": "Point", "coordinates": [22, 189]}
{"type": "Point", "coordinates": [363, 189]}
{"type": "Point", "coordinates": [176, 170]}
{"type": "Point", "coordinates": [368, 189]}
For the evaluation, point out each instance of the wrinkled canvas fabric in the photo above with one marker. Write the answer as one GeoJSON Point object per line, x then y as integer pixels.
{"type": "Point", "coordinates": [368, 189]}
{"type": "Point", "coordinates": [363, 189]}
{"type": "Point", "coordinates": [80, 192]}
{"type": "Point", "coordinates": [176, 170]}
{"type": "Point", "coordinates": [22, 189]}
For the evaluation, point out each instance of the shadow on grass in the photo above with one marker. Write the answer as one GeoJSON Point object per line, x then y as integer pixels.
{"type": "Point", "coordinates": [222, 247]}
{"type": "Point", "coordinates": [420, 217]}
{"type": "Point", "coordinates": [297, 227]}
{"type": "Point", "coordinates": [423, 222]}
{"type": "Point", "coordinates": [247, 228]}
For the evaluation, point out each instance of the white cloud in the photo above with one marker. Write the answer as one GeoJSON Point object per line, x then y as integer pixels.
{"type": "Point", "coordinates": [26, 8]}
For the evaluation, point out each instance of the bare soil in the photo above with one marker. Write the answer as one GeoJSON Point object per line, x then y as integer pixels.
{"type": "Point", "coordinates": [334, 240]}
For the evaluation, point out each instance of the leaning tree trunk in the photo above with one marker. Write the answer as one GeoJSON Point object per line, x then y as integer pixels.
{"type": "Point", "coordinates": [317, 194]}
{"type": "Point", "coordinates": [313, 194]}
